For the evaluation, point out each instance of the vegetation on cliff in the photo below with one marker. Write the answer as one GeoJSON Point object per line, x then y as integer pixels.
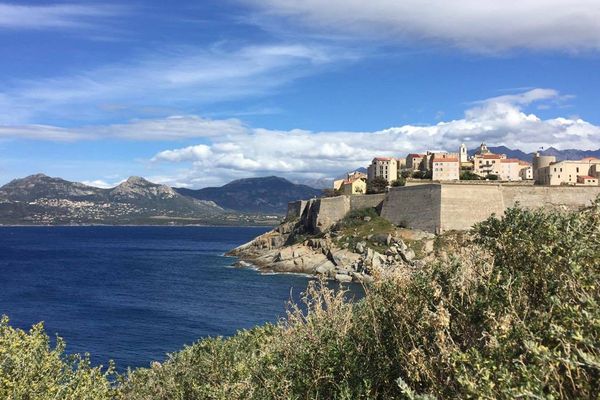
{"type": "Point", "coordinates": [513, 311]}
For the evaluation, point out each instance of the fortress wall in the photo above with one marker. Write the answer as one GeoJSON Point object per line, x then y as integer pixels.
{"type": "Point", "coordinates": [416, 207]}
{"type": "Point", "coordinates": [464, 205]}
{"type": "Point", "coordinates": [321, 214]}
{"type": "Point", "coordinates": [366, 201]}
{"type": "Point", "coordinates": [295, 209]}
{"type": "Point", "coordinates": [572, 197]}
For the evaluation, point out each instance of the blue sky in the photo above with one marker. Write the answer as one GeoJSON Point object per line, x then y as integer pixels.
{"type": "Point", "coordinates": [198, 93]}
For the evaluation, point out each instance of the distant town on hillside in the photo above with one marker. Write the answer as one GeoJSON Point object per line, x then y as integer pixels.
{"type": "Point", "coordinates": [482, 165]}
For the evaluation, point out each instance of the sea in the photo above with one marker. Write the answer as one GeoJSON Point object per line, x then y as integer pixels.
{"type": "Point", "coordinates": [134, 294]}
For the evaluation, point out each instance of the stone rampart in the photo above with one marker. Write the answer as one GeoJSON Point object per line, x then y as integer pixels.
{"type": "Point", "coordinates": [440, 207]}
{"type": "Point", "coordinates": [367, 201]}
{"type": "Point", "coordinates": [416, 207]}
{"type": "Point", "coordinates": [295, 209]}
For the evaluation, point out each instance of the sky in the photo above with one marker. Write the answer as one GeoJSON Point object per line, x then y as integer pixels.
{"type": "Point", "coordinates": [198, 93]}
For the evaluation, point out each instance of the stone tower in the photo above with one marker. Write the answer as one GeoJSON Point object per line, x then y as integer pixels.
{"type": "Point", "coordinates": [464, 157]}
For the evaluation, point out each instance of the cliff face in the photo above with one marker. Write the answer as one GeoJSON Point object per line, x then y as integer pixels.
{"type": "Point", "coordinates": [358, 247]}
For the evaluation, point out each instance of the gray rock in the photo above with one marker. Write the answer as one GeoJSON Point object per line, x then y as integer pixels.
{"type": "Point", "coordinates": [325, 268]}
{"type": "Point", "coordinates": [392, 251]}
{"type": "Point", "coordinates": [360, 247]}
{"type": "Point", "coordinates": [367, 218]}
{"type": "Point", "coordinates": [408, 255]}
{"type": "Point", "coordinates": [343, 278]}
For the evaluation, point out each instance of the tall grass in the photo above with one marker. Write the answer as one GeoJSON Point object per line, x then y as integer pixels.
{"type": "Point", "coordinates": [514, 313]}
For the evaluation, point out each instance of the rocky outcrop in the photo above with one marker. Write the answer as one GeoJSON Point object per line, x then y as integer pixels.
{"type": "Point", "coordinates": [284, 249]}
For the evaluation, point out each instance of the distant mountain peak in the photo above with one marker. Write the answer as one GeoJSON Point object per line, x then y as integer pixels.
{"type": "Point", "coordinates": [269, 194]}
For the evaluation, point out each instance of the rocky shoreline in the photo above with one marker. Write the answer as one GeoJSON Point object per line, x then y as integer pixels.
{"type": "Point", "coordinates": [335, 254]}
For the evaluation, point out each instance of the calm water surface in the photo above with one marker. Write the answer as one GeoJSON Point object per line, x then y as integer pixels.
{"type": "Point", "coordinates": [132, 294]}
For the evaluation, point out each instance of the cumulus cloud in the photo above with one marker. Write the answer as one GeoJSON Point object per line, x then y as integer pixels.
{"type": "Point", "coordinates": [482, 26]}
{"type": "Point", "coordinates": [306, 154]}
{"type": "Point", "coordinates": [230, 149]}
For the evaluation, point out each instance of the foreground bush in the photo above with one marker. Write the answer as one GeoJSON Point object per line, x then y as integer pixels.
{"type": "Point", "coordinates": [30, 368]}
{"type": "Point", "coordinates": [514, 313]}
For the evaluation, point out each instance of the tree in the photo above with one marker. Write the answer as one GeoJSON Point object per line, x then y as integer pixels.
{"type": "Point", "coordinates": [469, 176]}
{"type": "Point", "coordinates": [376, 185]}
{"type": "Point", "coordinates": [492, 177]}
{"type": "Point", "coordinates": [399, 182]}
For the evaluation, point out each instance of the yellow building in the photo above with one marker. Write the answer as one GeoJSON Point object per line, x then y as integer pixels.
{"type": "Point", "coordinates": [354, 186]}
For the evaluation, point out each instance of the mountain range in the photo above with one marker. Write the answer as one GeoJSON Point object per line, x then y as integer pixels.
{"type": "Point", "coordinates": [568, 154]}
{"type": "Point", "coordinates": [257, 195]}
{"type": "Point", "coordinates": [40, 199]}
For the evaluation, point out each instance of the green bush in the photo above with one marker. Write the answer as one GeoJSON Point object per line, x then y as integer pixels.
{"type": "Point", "coordinates": [30, 368]}
{"type": "Point", "coordinates": [514, 312]}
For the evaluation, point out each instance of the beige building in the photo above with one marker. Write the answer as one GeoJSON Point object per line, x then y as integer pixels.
{"type": "Point", "coordinates": [384, 167]}
{"type": "Point", "coordinates": [488, 164]}
{"type": "Point", "coordinates": [510, 169]}
{"type": "Point", "coordinates": [445, 168]}
{"type": "Point", "coordinates": [337, 184]}
{"type": "Point", "coordinates": [413, 161]}
{"type": "Point", "coordinates": [568, 172]}
{"type": "Point", "coordinates": [526, 172]}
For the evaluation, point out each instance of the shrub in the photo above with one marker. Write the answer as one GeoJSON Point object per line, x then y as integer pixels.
{"type": "Point", "coordinates": [30, 368]}
{"type": "Point", "coordinates": [512, 312]}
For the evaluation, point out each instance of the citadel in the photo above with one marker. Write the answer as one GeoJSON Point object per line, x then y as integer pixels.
{"type": "Point", "coordinates": [442, 166]}
{"type": "Point", "coordinates": [442, 191]}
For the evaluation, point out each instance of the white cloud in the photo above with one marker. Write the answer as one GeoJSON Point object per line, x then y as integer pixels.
{"type": "Point", "coordinates": [305, 154]}
{"type": "Point", "coordinates": [99, 183]}
{"type": "Point", "coordinates": [164, 129]}
{"type": "Point", "coordinates": [230, 149]}
{"type": "Point", "coordinates": [54, 16]}
{"type": "Point", "coordinates": [477, 25]}
{"type": "Point", "coordinates": [177, 78]}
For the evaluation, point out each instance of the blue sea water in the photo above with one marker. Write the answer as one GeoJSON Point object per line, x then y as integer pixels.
{"type": "Point", "coordinates": [133, 294]}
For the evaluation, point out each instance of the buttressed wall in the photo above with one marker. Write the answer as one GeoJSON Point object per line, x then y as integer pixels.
{"type": "Point", "coordinates": [454, 206]}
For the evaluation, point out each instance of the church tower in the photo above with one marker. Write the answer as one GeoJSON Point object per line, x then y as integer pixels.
{"type": "Point", "coordinates": [464, 157]}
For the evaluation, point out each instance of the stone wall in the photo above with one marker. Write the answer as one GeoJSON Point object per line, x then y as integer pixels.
{"type": "Point", "coordinates": [462, 206]}
{"type": "Point", "coordinates": [437, 208]}
{"type": "Point", "coordinates": [416, 207]}
{"type": "Point", "coordinates": [320, 214]}
{"type": "Point", "coordinates": [295, 209]}
{"type": "Point", "coordinates": [441, 207]}
{"type": "Point", "coordinates": [367, 201]}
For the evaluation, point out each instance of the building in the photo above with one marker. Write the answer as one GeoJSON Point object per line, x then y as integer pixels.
{"type": "Point", "coordinates": [539, 161]}
{"type": "Point", "coordinates": [463, 154]}
{"type": "Point", "coordinates": [445, 168]}
{"type": "Point", "coordinates": [488, 164]}
{"type": "Point", "coordinates": [569, 172]}
{"type": "Point", "coordinates": [587, 180]}
{"type": "Point", "coordinates": [510, 169]}
{"type": "Point", "coordinates": [337, 184]}
{"type": "Point", "coordinates": [354, 186]}
{"type": "Point", "coordinates": [526, 172]}
{"type": "Point", "coordinates": [413, 161]}
{"type": "Point", "coordinates": [483, 149]}
{"type": "Point", "coordinates": [383, 167]}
